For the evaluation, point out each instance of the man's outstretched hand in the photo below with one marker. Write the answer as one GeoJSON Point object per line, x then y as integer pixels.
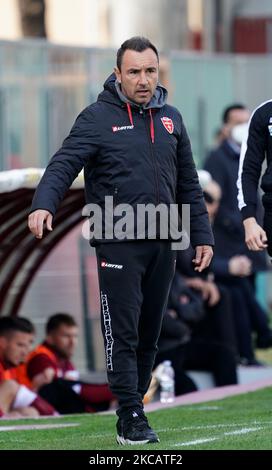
{"type": "Point", "coordinates": [203, 257]}
{"type": "Point", "coordinates": [36, 222]}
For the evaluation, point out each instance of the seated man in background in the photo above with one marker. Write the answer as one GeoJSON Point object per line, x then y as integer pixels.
{"type": "Point", "coordinates": [16, 336]}
{"type": "Point", "coordinates": [52, 373]}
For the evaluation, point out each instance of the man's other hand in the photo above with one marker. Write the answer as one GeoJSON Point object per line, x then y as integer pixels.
{"type": "Point", "coordinates": [203, 257]}
{"type": "Point", "coordinates": [36, 222]}
{"type": "Point", "coordinates": [255, 236]}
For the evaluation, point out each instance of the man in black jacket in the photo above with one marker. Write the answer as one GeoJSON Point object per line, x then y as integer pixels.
{"type": "Point", "coordinates": [134, 148]}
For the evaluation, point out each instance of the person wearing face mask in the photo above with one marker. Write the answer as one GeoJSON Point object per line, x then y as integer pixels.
{"type": "Point", "coordinates": [223, 164]}
{"type": "Point", "coordinates": [256, 150]}
{"type": "Point", "coordinates": [238, 263]}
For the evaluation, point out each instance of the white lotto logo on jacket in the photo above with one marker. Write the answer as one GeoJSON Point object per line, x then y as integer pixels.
{"type": "Point", "coordinates": [104, 264]}
{"type": "Point", "coordinates": [121, 128]}
{"type": "Point", "coordinates": [168, 124]}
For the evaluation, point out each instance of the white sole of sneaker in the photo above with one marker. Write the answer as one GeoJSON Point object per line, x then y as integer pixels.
{"type": "Point", "coordinates": [122, 441]}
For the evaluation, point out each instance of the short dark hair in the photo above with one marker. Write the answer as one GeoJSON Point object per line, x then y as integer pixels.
{"type": "Point", "coordinates": [12, 324]}
{"type": "Point", "coordinates": [138, 44]}
{"type": "Point", "coordinates": [58, 319]}
{"type": "Point", "coordinates": [227, 111]}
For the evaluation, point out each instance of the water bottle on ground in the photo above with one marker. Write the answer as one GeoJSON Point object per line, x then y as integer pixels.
{"type": "Point", "coordinates": [167, 383]}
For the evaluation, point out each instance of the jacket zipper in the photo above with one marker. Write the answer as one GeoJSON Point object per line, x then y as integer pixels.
{"type": "Point", "coordinates": [157, 193]}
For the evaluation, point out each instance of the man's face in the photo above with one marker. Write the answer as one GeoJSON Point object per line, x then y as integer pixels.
{"type": "Point", "coordinates": [138, 75]}
{"type": "Point", "coordinates": [64, 339]}
{"type": "Point", "coordinates": [15, 347]}
{"type": "Point", "coordinates": [235, 118]}
{"type": "Point", "coordinates": [212, 194]}
{"type": "Point", "coordinates": [31, 338]}
{"type": "Point", "coordinates": [212, 208]}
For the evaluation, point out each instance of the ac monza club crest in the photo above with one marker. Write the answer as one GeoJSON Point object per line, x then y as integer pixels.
{"type": "Point", "coordinates": [168, 124]}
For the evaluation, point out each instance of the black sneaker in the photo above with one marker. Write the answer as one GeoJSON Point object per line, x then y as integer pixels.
{"type": "Point", "coordinates": [134, 430]}
{"type": "Point", "coordinates": [244, 361]}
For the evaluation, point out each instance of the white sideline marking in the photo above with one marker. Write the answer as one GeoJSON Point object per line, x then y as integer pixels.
{"type": "Point", "coordinates": [208, 408]}
{"type": "Point", "coordinates": [242, 431]}
{"type": "Point", "coordinates": [197, 441]}
{"type": "Point", "coordinates": [212, 426]}
{"type": "Point", "coordinates": [98, 436]}
{"type": "Point", "coordinates": [211, 439]}
{"type": "Point", "coordinates": [199, 407]}
{"type": "Point", "coordinates": [25, 427]}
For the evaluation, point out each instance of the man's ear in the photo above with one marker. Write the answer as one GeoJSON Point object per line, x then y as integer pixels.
{"type": "Point", "coordinates": [3, 342]}
{"type": "Point", "coordinates": [118, 74]}
{"type": "Point", "coordinates": [226, 130]}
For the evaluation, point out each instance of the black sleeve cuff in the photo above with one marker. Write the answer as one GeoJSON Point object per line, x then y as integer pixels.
{"type": "Point", "coordinates": [248, 211]}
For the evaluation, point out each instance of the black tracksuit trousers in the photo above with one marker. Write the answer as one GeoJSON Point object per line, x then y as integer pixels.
{"type": "Point", "coordinates": [135, 279]}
